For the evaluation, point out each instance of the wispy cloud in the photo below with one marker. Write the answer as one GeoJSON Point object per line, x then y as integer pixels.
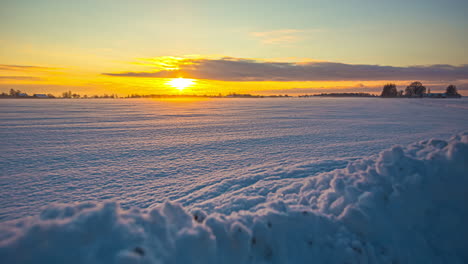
{"type": "Point", "coordinates": [23, 68]}
{"type": "Point", "coordinates": [20, 78]}
{"type": "Point", "coordinates": [280, 36]}
{"type": "Point", "coordinates": [238, 69]}
{"type": "Point", "coordinates": [284, 36]}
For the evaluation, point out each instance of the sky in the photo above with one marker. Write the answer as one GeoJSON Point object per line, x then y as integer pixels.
{"type": "Point", "coordinates": [259, 47]}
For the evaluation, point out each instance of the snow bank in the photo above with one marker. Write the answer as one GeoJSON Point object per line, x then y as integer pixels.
{"type": "Point", "coordinates": [408, 205]}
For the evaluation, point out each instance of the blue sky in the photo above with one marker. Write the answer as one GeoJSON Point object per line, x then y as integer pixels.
{"type": "Point", "coordinates": [353, 31]}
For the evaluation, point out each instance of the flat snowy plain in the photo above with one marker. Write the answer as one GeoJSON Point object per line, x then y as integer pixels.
{"type": "Point", "coordinates": [249, 180]}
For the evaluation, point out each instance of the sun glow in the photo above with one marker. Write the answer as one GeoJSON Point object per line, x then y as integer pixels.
{"type": "Point", "coordinates": [180, 83]}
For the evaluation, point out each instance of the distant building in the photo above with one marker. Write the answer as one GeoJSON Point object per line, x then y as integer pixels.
{"type": "Point", "coordinates": [436, 95]}
{"type": "Point", "coordinates": [442, 95]}
{"type": "Point", "coordinates": [41, 95]}
{"type": "Point", "coordinates": [22, 95]}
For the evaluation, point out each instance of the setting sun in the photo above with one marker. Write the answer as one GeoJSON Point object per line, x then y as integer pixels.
{"type": "Point", "coordinates": [180, 83]}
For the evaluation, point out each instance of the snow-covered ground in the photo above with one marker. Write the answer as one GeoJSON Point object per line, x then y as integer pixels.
{"type": "Point", "coordinates": [250, 180]}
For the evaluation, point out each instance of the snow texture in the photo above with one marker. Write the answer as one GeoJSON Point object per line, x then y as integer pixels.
{"type": "Point", "coordinates": [405, 205]}
{"type": "Point", "coordinates": [220, 155]}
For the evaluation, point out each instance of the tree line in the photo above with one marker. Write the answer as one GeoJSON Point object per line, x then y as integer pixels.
{"type": "Point", "coordinates": [415, 89]}
{"type": "Point", "coordinates": [69, 94]}
{"type": "Point", "coordinates": [19, 94]}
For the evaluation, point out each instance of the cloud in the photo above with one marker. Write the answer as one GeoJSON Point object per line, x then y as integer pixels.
{"type": "Point", "coordinates": [8, 67]}
{"type": "Point", "coordinates": [279, 36]}
{"type": "Point", "coordinates": [21, 78]}
{"type": "Point", "coordinates": [237, 69]}
{"type": "Point", "coordinates": [283, 36]}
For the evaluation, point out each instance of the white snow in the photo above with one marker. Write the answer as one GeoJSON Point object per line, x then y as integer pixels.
{"type": "Point", "coordinates": [251, 181]}
{"type": "Point", "coordinates": [408, 205]}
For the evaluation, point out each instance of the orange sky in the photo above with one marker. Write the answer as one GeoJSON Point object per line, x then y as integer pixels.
{"type": "Point", "coordinates": [148, 76]}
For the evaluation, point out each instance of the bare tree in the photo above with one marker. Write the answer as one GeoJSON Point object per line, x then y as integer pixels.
{"type": "Point", "coordinates": [14, 92]}
{"type": "Point", "coordinates": [389, 90]}
{"type": "Point", "coordinates": [415, 89]}
{"type": "Point", "coordinates": [451, 90]}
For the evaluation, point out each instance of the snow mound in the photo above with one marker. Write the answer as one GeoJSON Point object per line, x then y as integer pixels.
{"type": "Point", "coordinates": [407, 205]}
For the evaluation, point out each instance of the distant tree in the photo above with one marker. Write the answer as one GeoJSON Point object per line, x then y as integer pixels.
{"type": "Point", "coordinates": [67, 94]}
{"type": "Point", "coordinates": [14, 92]}
{"type": "Point", "coordinates": [415, 89]}
{"type": "Point", "coordinates": [50, 95]}
{"type": "Point", "coordinates": [409, 91]}
{"type": "Point", "coordinates": [451, 90]}
{"type": "Point", "coordinates": [389, 90]}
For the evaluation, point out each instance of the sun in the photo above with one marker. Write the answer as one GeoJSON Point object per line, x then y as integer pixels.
{"type": "Point", "coordinates": [180, 83]}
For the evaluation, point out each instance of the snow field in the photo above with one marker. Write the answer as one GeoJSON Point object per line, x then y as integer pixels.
{"type": "Point", "coordinates": [405, 205]}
